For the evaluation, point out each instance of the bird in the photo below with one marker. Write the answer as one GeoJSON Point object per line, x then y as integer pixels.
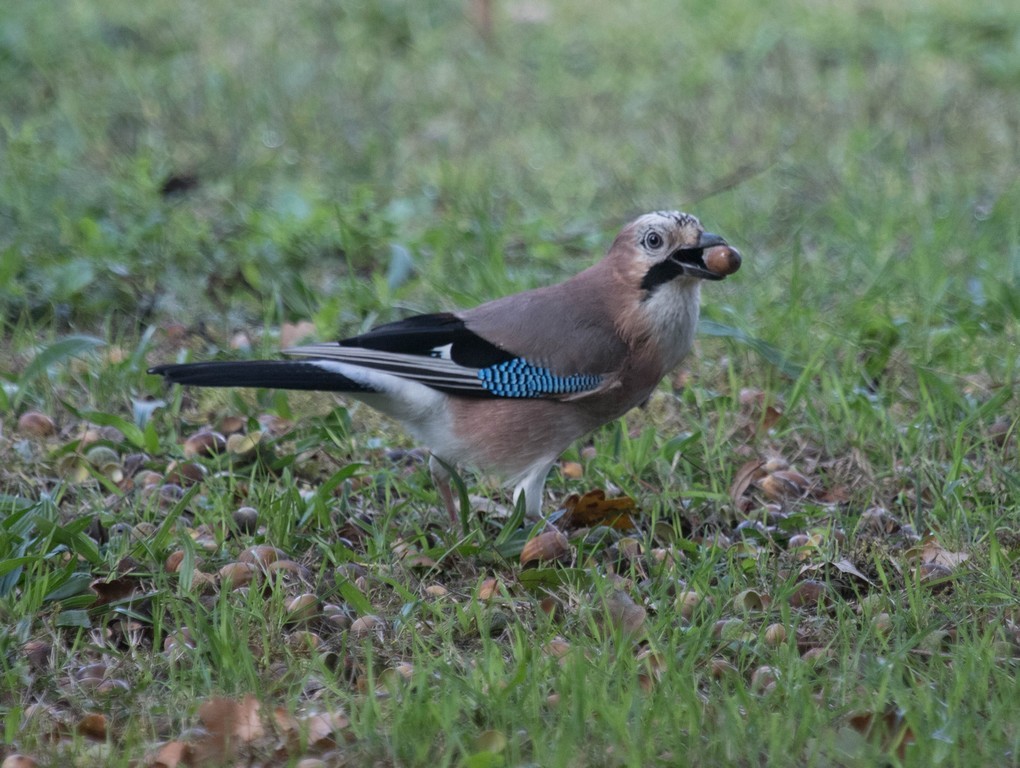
{"type": "Point", "coordinates": [507, 386]}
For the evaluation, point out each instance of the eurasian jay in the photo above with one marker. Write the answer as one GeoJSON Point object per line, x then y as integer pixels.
{"type": "Point", "coordinates": [507, 386]}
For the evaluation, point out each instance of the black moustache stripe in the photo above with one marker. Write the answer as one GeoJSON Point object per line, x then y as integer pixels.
{"type": "Point", "coordinates": [670, 269]}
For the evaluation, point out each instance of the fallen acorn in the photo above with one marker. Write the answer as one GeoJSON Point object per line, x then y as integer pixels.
{"type": "Point", "coordinates": [366, 625]}
{"type": "Point", "coordinates": [775, 634]}
{"type": "Point", "coordinates": [302, 608]}
{"type": "Point", "coordinates": [36, 424]}
{"type": "Point", "coordinates": [809, 594]}
{"type": "Point", "coordinates": [237, 575]}
{"type": "Point", "coordinates": [262, 555]}
{"type": "Point", "coordinates": [205, 443]}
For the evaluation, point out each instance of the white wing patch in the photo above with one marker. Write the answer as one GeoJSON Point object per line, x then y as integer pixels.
{"type": "Point", "coordinates": [444, 352]}
{"type": "Point", "coordinates": [433, 370]}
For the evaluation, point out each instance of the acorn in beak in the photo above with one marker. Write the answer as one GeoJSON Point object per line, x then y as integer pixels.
{"type": "Point", "coordinates": [711, 259]}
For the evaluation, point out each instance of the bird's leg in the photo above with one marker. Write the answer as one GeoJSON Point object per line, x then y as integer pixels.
{"type": "Point", "coordinates": [441, 479]}
{"type": "Point", "coordinates": [531, 486]}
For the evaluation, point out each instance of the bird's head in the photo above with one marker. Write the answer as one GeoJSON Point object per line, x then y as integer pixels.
{"type": "Point", "coordinates": [665, 246]}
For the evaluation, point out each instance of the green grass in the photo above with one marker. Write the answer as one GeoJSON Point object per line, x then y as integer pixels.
{"type": "Point", "coordinates": [172, 174]}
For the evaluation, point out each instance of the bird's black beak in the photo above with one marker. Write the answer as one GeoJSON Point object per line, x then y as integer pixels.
{"type": "Point", "coordinates": [711, 259]}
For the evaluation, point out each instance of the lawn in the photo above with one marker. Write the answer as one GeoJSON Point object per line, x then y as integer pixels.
{"type": "Point", "coordinates": [819, 560]}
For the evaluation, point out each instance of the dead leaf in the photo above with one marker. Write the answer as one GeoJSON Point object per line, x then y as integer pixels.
{"type": "Point", "coordinates": [654, 666]}
{"type": "Point", "coordinates": [572, 469]}
{"type": "Point", "coordinates": [114, 590]}
{"type": "Point", "coordinates": [935, 576]}
{"type": "Point", "coordinates": [846, 567]}
{"type": "Point", "coordinates": [419, 562]}
{"type": "Point", "coordinates": [557, 648]}
{"type": "Point", "coordinates": [838, 494]}
{"type": "Point", "coordinates": [94, 725]}
{"type": "Point", "coordinates": [933, 552]}
{"type": "Point", "coordinates": [229, 723]}
{"type": "Point", "coordinates": [546, 547]}
{"type": "Point", "coordinates": [784, 484]}
{"type": "Point", "coordinates": [285, 723]}
{"type": "Point", "coordinates": [490, 588]}
{"type": "Point", "coordinates": [747, 474]}
{"type": "Point", "coordinates": [173, 754]}
{"type": "Point", "coordinates": [593, 508]}
{"type": "Point", "coordinates": [841, 566]}
{"type": "Point", "coordinates": [323, 727]}
{"type": "Point", "coordinates": [759, 409]}
{"type": "Point", "coordinates": [888, 728]}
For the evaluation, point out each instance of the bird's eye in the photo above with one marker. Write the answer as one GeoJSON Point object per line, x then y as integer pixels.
{"type": "Point", "coordinates": [653, 240]}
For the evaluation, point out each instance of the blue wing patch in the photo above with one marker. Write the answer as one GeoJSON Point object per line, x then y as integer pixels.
{"type": "Point", "coordinates": [519, 378]}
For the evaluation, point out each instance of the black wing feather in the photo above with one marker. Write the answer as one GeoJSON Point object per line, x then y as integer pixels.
{"type": "Point", "coordinates": [269, 374]}
{"type": "Point", "coordinates": [421, 334]}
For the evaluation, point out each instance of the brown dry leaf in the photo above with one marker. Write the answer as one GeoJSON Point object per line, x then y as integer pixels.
{"type": "Point", "coordinates": [934, 576]}
{"type": "Point", "coordinates": [654, 664]}
{"type": "Point", "coordinates": [551, 606]}
{"type": "Point", "coordinates": [846, 567]}
{"type": "Point", "coordinates": [625, 614]}
{"type": "Point", "coordinates": [889, 728]}
{"type": "Point", "coordinates": [114, 590]}
{"type": "Point", "coordinates": [322, 728]}
{"type": "Point", "coordinates": [572, 469]}
{"type": "Point", "coordinates": [748, 473]}
{"type": "Point", "coordinates": [784, 484]}
{"type": "Point", "coordinates": [593, 508]}
{"type": "Point", "coordinates": [419, 562]}
{"type": "Point", "coordinates": [557, 648]}
{"type": "Point", "coordinates": [843, 566]}
{"type": "Point", "coordinates": [248, 725]}
{"type": "Point", "coordinates": [546, 547]}
{"type": "Point", "coordinates": [933, 552]}
{"type": "Point", "coordinates": [284, 722]}
{"type": "Point", "coordinates": [173, 754]}
{"type": "Point", "coordinates": [759, 409]}
{"type": "Point", "coordinates": [838, 494]}
{"type": "Point", "coordinates": [490, 588]}
{"type": "Point", "coordinates": [94, 725]}
{"type": "Point", "coordinates": [229, 723]}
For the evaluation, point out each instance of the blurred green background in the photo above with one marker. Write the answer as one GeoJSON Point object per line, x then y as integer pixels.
{"type": "Point", "coordinates": [344, 159]}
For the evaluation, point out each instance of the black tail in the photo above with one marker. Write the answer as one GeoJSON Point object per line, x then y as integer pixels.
{"type": "Point", "coordinates": [268, 374]}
